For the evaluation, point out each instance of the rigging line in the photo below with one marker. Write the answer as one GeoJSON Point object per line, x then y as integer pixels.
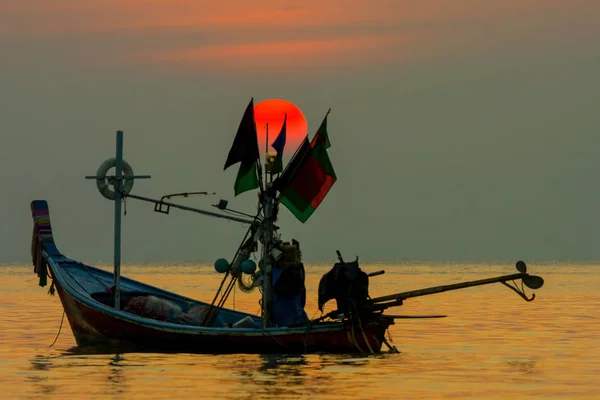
{"type": "Point", "coordinates": [215, 310]}
{"type": "Point", "coordinates": [226, 293]}
{"type": "Point", "coordinates": [211, 315]}
{"type": "Point", "coordinates": [210, 307]}
{"type": "Point", "coordinates": [59, 329]}
{"type": "Point", "coordinates": [313, 317]}
{"type": "Point", "coordinates": [212, 304]}
{"type": "Point", "coordinates": [235, 212]}
{"type": "Point", "coordinates": [364, 335]}
{"type": "Point", "coordinates": [231, 285]}
{"type": "Point", "coordinates": [351, 320]}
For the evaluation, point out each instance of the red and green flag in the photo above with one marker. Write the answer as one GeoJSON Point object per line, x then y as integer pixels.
{"type": "Point", "coordinates": [245, 151]}
{"type": "Point", "coordinates": [308, 177]}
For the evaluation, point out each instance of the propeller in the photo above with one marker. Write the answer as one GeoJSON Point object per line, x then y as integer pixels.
{"type": "Point", "coordinates": [533, 282]}
{"type": "Point", "coordinates": [521, 267]}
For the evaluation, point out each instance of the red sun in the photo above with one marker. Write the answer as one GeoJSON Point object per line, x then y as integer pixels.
{"type": "Point", "coordinates": [272, 112]}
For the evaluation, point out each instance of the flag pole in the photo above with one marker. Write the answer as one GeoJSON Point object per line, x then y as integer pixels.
{"type": "Point", "coordinates": [117, 237]}
{"type": "Point", "coordinates": [267, 204]}
{"type": "Point", "coordinates": [267, 152]}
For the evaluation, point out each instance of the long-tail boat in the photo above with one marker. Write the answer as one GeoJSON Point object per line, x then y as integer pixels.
{"type": "Point", "coordinates": [105, 308]}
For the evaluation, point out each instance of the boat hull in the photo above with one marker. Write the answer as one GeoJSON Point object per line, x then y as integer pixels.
{"type": "Point", "coordinates": [94, 327]}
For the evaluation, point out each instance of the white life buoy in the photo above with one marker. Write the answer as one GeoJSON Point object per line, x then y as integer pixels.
{"type": "Point", "coordinates": [103, 184]}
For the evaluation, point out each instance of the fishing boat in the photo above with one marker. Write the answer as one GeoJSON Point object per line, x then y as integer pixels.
{"type": "Point", "coordinates": [104, 308]}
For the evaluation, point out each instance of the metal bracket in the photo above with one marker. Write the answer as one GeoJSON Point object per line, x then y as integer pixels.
{"type": "Point", "coordinates": [158, 207]}
{"type": "Point", "coordinates": [520, 292]}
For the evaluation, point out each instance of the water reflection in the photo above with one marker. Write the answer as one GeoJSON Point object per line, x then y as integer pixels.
{"type": "Point", "coordinates": [116, 376]}
{"type": "Point", "coordinates": [243, 376]}
{"type": "Point", "coordinates": [77, 363]}
{"type": "Point", "coordinates": [524, 367]}
{"type": "Point", "coordinates": [40, 363]}
{"type": "Point", "coordinates": [272, 375]}
{"type": "Point", "coordinates": [41, 382]}
{"type": "Point", "coordinates": [272, 363]}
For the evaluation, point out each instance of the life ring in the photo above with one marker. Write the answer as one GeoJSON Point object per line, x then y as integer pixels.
{"type": "Point", "coordinates": [103, 184]}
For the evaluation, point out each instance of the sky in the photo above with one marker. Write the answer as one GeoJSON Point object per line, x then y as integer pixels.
{"type": "Point", "coordinates": [460, 130]}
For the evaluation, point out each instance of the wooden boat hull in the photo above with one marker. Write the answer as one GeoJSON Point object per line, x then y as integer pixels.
{"type": "Point", "coordinates": [96, 324]}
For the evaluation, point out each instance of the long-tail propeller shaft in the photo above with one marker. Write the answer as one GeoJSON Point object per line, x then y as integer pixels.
{"type": "Point", "coordinates": [531, 281]}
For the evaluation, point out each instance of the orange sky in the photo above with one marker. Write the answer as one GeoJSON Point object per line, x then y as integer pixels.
{"type": "Point", "coordinates": [473, 123]}
{"type": "Point", "coordinates": [273, 34]}
{"type": "Point", "coordinates": [69, 16]}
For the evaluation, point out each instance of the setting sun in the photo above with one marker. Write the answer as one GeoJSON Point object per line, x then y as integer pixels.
{"type": "Point", "coordinates": [272, 112]}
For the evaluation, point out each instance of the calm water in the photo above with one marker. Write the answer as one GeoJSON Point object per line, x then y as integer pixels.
{"type": "Point", "coordinates": [492, 345]}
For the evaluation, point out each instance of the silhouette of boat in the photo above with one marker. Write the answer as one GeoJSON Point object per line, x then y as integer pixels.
{"type": "Point", "coordinates": [105, 308]}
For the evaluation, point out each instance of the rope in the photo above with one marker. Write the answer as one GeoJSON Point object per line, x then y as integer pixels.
{"type": "Point", "coordinates": [354, 337]}
{"type": "Point", "coordinates": [52, 289]}
{"type": "Point", "coordinates": [226, 294]}
{"type": "Point", "coordinates": [59, 329]}
{"type": "Point", "coordinates": [376, 342]}
{"type": "Point", "coordinates": [214, 310]}
{"type": "Point", "coordinates": [211, 307]}
{"type": "Point", "coordinates": [390, 344]}
{"type": "Point", "coordinates": [364, 335]}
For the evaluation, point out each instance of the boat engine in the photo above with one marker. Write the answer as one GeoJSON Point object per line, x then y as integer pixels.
{"type": "Point", "coordinates": [347, 284]}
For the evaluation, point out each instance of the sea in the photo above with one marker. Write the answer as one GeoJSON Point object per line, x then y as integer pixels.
{"type": "Point", "coordinates": [491, 345]}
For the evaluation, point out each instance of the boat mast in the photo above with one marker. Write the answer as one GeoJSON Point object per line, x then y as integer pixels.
{"type": "Point", "coordinates": [117, 182]}
{"type": "Point", "coordinates": [118, 185]}
{"type": "Point", "coordinates": [267, 236]}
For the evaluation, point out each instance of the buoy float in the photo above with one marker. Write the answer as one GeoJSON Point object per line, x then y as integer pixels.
{"type": "Point", "coordinates": [248, 267]}
{"type": "Point", "coordinates": [221, 265]}
{"type": "Point", "coordinates": [103, 184]}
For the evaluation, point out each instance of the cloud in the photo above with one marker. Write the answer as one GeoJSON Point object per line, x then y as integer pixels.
{"type": "Point", "coordinates": [282, 53]}
{"type": "Point", "coordinates": [76, 17]}
{"type": "Point", "coordinates": [237, 35]}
